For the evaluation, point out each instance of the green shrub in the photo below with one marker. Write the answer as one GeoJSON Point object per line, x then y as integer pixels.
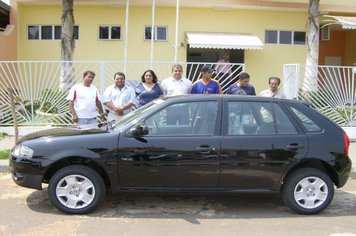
{"type": "Point", "coordinates": [3, 135]}
{"type": "Point", "coordinates": [4, 154]}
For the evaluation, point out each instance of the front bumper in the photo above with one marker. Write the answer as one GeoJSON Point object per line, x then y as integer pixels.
{"type": "Point", "coordinates": [26, 173]}
{"type": "Point", "coordinates": [27, 180]}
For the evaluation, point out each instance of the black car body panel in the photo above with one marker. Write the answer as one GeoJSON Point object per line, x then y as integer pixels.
{"type": "Point", "coordinates": [63, 144]}
{"type": "Point", "coordinates": [209, 159]}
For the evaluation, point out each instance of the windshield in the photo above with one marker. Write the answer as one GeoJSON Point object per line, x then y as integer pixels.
{"type": "Point", "coordinates": [134, 115]}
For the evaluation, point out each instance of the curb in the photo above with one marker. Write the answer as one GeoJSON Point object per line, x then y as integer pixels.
{"type": "Point", "coordinates": [4, 166]}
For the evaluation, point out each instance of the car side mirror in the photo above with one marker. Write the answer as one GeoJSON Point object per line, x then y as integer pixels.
{"type": "Point", "coordinates": [138, 131]}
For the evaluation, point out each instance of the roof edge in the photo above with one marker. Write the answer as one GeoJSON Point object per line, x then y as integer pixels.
{"type": "Point", "coordinates": [4, 6]}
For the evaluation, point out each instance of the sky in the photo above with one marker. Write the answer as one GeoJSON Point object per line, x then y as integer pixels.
{"type": "Point", "coordinates": [6, 1]}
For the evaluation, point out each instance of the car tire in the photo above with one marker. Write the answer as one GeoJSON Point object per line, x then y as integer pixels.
{"type": "Point", "coordinates": [308, 191]}
{"type": "Point", "coordinates": [76, 189]}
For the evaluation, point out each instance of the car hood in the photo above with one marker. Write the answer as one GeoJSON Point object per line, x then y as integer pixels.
{"type": "Point", "coordinates": [56, 132]}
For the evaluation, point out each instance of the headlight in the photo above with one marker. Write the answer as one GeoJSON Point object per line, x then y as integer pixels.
{"type": "Point", "coordinates": [22, 151]}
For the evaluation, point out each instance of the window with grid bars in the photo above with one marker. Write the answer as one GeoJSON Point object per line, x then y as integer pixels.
{"type": "Point", "coordinates": [159, 33]}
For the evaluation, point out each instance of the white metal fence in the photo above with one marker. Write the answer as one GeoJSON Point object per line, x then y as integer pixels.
{"type": "Point", "coordinates": [330, 89]}
{"type": "Point", "coordinates": [40, 87]}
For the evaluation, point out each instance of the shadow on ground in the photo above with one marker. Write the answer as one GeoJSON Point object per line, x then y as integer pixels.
{"type": "Point", "coordinates": [192, 208]}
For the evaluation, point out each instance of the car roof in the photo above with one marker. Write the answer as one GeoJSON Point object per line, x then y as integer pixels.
{"type": "Point", "coordinates": [228, 97]}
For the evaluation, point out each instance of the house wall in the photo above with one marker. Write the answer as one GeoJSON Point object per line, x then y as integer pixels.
{"type": "Point", "coordinates": [335, 47]}
{"type": "Point", "coordinates": [350, 48]}
{"type": "Point", "coordinates": [8, 46]}
{"type": "Point", "coordinates": [259, 63]}
{"type": "Point", "coordinates": [341, 44]}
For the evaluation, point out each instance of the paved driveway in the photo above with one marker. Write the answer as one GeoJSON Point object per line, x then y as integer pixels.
{"type": "Point", "coordinates": [28, 212]}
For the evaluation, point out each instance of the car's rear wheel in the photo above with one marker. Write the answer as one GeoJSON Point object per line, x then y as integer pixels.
{"type": "Point", "coordinates": [76, 189]}
{"type": "Point", "coordinates": [308, 191]}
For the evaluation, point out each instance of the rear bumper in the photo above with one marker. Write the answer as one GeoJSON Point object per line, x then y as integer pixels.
{"type": "Point", "coordinates": [344, 173]}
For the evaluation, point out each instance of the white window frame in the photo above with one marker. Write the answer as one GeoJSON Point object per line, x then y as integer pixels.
{"type": "Point", "coordinates": [279, 37]}
{"type": "Point", "coordinates": [155, 33]}
{"type": "Point", "coordinates": [40, 32]}
{"type": "Point", "coordinates": [109, 36]}
{"type": "Point", "coordinates": [273, 31]}
{"type": "Point", "coordinates": [54, 33]}
{"type": "Point", "coordinates": [305, 38]}
{"type": "Point", "coordinates": [325, 33]}
{"type": "Point", "coordinates": [291, 37]}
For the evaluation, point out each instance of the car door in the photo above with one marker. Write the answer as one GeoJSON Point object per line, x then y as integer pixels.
{"type": "Point", "coordinates": [178, 155]}
{"type": "Point", "coordinates": [259, 143]}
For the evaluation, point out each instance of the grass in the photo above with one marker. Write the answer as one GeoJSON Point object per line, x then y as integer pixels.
{"type": "Point", "coordinates": [4, 154]}
{"type": "Point", "coordinates": [3, 135]}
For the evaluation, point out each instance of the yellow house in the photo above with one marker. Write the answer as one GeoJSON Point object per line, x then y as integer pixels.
{"type": "Point", "coordinates": [265, 35]}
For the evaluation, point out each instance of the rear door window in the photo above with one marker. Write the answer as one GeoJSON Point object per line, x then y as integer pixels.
{"type": "Point", "coordinates": [258, 118]}
{"type": "Point", "coordinates": [308, 124]}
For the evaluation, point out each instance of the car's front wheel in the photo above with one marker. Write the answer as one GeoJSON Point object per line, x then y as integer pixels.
{"type": "Point", "coordinates": [76, 189]}
{"type": "Point", "coordinates": [308, 191]}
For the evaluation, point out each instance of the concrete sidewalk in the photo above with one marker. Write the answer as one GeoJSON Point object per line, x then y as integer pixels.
{"type": "Point", "coordinates": [7, 143]}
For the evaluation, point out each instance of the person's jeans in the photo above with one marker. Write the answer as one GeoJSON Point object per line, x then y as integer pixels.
{"type": "Point", "coordinates": [85, 123]}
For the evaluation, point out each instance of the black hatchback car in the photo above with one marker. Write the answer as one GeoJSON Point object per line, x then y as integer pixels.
{"type": "Point", "coordinates": [191, 144]}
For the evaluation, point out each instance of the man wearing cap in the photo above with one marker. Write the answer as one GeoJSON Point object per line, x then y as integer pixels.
{"type": "Point", "coordinates": [206, 85]}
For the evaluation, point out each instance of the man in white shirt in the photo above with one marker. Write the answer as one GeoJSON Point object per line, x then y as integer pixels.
{"type": "Point", "coordinates": [84, 100]}
{"type": "Point", "coordinates": [177, 85]}
{"type": "Point", "coordinates": [273, 90]}
{"type": "Point", "coordinates": [119, 98]}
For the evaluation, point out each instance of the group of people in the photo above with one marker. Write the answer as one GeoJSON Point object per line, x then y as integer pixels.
{"type": "Point", "coordinates": [85, 102]}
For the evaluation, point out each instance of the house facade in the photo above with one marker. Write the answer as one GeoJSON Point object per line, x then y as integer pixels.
{"type": "Point", "coordinates": [265, 35]}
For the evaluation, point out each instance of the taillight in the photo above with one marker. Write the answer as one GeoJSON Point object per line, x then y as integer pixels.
{"type": "Point", "coordinates": [347, 144]}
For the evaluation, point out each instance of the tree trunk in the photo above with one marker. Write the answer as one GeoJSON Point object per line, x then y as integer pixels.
{"type": "Point", "coordinates": [311, 69]}
{"type": "Point", "coordinates": [67, 45]}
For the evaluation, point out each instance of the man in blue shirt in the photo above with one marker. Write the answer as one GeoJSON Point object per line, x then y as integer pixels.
{"type": "Point", "coordinates": [242, 87]}
{"type": "Point", "coordinates": [206, 85]}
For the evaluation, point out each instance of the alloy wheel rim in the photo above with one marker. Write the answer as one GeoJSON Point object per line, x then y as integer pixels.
{"type": "Point", "coordinates": [75, 191]}
{"type": "Point", "coordinates": [311, 192]}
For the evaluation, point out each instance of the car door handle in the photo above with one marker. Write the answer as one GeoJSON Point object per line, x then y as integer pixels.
{"type": "Point", "coordinates": [205, 149]}
{"type": "Point", "coordinates": [294, 146]}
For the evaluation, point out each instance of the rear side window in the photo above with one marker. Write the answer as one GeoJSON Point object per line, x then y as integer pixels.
{"type": "Point", "coordinates": [257, 118]}
{"type": "Point", "coordinates": [307, 123]}
{"type": "Point", "coordinates": [284, 125]}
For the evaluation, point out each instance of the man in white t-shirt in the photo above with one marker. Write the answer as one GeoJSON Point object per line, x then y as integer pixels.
{"type": "Point", "coordinates": [84, 100]}
{"type": "Point", "coordinates": [273, 90]}
{"type": "Point", "coordinates": [177, 85]}
{"type": "Point", "coordinates": [119, 98]}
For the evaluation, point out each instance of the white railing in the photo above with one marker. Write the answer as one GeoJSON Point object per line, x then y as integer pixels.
{"type": "Point", "coordinates": [332, 92]}
{"type": "Point", "coordinates": [40, 87]}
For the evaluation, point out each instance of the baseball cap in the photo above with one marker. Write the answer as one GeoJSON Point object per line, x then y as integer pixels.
{"type": "Point", "coordinates": [207, 68]}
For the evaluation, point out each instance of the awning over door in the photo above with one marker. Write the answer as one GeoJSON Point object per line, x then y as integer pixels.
{"type": "Point", "coordinates": [347, 22]}
{"type": "Point", "coordinates": [223, 40]}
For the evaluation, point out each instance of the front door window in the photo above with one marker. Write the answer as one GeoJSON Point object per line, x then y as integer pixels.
{"type": "Point", "coordinates": [196, 118]}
